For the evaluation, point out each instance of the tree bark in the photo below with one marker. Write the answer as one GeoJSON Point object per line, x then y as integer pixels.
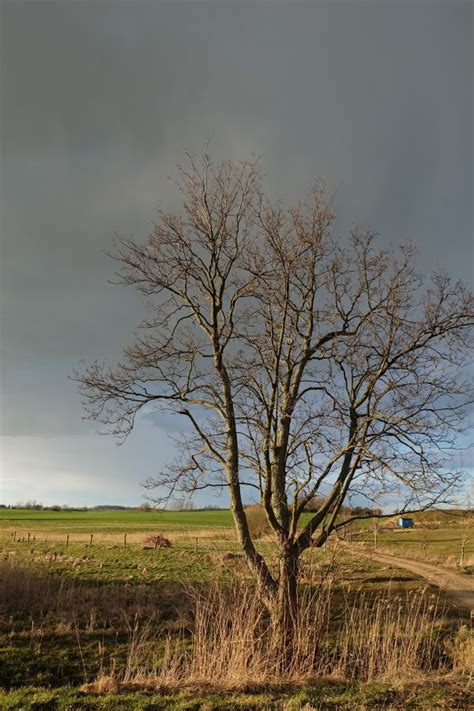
{"type": "Point", "coordinates": [285, 612]}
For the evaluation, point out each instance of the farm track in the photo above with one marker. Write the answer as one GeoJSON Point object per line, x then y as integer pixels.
{"type": "Point", "coordinates": [458, 586]}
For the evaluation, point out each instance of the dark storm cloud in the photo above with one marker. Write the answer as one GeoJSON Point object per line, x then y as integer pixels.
{"type": "Point", "coordinates": [99, 100]}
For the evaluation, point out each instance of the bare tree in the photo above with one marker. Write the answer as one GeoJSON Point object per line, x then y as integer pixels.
{"type": "Point", "coordinates": [305, 367]}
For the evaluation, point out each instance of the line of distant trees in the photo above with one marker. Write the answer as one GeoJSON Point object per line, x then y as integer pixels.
{"type": "Point", "coordinates": [37, 506]}
{"type": "Point", "coordinates": [315, 503]}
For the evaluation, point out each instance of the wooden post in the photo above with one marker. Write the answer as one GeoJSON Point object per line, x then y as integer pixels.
{"type": "Point", "coordinates": [14, 536]}
{"type": "Point", "coordinates": [92, 536]}
{"type": "Point", "coordinates": [67, 539]}
{"type": "Point", "coordinates": [125, 540]}
{"type": "Point", "coordinates": [29, 537]}
{"type": "Point", "coordinates": [196, 543]}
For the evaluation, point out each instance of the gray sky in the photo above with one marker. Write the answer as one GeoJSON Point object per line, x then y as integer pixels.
{"type": "Point", "coordinates": [100, 99]}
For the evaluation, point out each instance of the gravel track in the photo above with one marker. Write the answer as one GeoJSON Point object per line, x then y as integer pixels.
{"type": "Point", "coordinates": [460, 587]}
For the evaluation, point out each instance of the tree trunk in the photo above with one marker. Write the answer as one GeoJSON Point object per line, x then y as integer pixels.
{"type": "Point", "coordinates": [285, 613]}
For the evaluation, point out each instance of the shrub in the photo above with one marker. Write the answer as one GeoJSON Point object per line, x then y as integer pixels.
{"type": "Point", "coordinates": [257, 520]}
{"type": "Point", "coordinates": [156, 541]}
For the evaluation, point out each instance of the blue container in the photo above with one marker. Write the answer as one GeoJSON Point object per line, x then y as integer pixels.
{"type": "Point", "coordinates": [405, 522]}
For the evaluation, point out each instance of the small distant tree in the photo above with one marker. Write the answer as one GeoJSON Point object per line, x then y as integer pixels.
{"type": "Point", "coordinates": [426, 523]}
{"type": "Point", "coordinates": [182, 504]}
{"type": "Point", "coordinates": [305, 366]}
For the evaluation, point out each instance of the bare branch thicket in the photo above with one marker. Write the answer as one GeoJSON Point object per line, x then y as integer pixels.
{"type": "Point", "coordinates": [305, 368]}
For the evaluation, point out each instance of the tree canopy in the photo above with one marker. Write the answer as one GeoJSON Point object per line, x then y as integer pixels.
{"type": "Point", "coordinates": [307, 367]}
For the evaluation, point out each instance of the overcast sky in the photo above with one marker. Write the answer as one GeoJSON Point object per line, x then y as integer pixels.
{"type": "Point", "coordinates": [99, 101]}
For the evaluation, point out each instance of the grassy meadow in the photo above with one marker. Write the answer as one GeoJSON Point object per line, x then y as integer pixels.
{"type": "Point", "coordinates": [88, 617]}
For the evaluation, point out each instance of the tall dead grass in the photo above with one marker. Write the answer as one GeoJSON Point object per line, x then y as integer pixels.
{"type": "Point", "coordinates": [47, 599]}
{"type": "Point", "coordinates": [234, 645]}
{"type": "Point", "coordinates": [389, 638]}
{"type": "Point", "coordinates": [235, 639]}
{"type": "Point", "coordinates": [21, 589]}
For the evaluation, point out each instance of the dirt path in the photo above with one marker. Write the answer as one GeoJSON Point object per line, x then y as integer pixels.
{"type": "Point", "coordinates": [458, 586]}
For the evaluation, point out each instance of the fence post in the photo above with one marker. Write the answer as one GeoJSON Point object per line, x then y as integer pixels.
{"type": "Point", "coordinates": [125, 540]}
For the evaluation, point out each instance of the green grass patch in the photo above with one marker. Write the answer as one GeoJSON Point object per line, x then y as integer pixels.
{"type": "Point", "coordinates": [96, 521]}
{"type": "Point", "coordinates": [327, 695]}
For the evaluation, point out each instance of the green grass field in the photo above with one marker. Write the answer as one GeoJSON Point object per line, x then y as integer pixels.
{"type": "Point", "coordinates": [115, 521]}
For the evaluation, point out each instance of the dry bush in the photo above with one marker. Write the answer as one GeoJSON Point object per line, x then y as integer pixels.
{"type": "Point", "coordinates": [257, 521]}
{"type": "Point", "coordinates": [234, 645]}
{"type": "Point", "coordinates": [452, 561]}
{"type": "Point", "coordinates": [156, 541]}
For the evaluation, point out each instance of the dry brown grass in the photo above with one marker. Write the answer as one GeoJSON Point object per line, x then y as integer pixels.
{"type": "Point", "coordinates": [48, 598]}
{"type": "Point", "coordinates": [461, 648]}
{"type": "Point", "coordinates": [113, 538]}
{"type": "Point", "coordinates": [21, 590]}
{"type": "Point", "coordinates": [389, 638]}
{"type": "Point", "coordinates": [234, 645]}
